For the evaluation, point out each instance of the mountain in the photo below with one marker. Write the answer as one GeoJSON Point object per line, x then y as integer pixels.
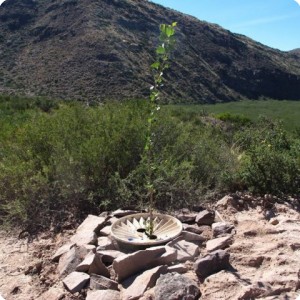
{"type": "Point", "coordinates": [296, 53]}
{"type": "Point", "coordinates": [102, 49]}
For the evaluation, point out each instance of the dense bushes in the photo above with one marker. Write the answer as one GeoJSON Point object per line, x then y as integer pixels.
{"type": "Point", "coordinates": [77, 159]}
{"type": "Point", "coordinates": [11, 104]}
{"type": "Point", "coordinates": [188, 163]}
{"type": "Point", "coordinates": [270, 161]}
{"type": "Point", "coordinates": [69, 156]}
{"type": "Point", "coordinates": [233, 118]}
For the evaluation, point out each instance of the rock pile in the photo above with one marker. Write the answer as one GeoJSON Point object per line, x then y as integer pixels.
{"type": "Point", "coordinates": [254, 254]}
{"type": "Point", "coordinates": [94, 266]}
{"type": "Point", "coordinates": [262, 243]}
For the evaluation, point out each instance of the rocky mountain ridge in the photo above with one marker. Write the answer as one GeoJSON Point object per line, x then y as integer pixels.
{"type": "Point", "coordinates": [102, 49]}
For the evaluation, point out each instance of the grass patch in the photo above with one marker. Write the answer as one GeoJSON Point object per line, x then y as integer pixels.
{"type": "Point", "coordinates": [286, 111]}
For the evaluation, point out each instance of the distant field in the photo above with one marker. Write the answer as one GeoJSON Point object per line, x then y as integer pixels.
{"type": "Point", "coordinates": [287, 111]}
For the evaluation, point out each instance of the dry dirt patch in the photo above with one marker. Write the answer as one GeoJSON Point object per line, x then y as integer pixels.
{"type": "Point", "coordinates": [26, 270]}
{"type": "Point", "coordinates": [265, 259]}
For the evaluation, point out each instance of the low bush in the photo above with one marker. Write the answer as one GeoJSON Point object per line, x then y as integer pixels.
{"type": "Point", "coordinates": [77, 159]}
{"type": "Point", "coordinates": [270, 159]}
{"type": "Point", "coordinates": [82, 159]}
{"type": "Point", "coordinates": [188, 162]}
{"type": "Point", "coordinates": [239, 120]}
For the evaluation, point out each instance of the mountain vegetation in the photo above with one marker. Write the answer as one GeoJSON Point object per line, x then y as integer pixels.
{"type": "Point", "coordinates": [100, 50]}
{"type": "Point", "coordinates": [64, 159]}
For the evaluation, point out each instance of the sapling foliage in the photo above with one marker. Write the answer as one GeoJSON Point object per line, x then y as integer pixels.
{"type": "Point", "coordinates": [163, 51]}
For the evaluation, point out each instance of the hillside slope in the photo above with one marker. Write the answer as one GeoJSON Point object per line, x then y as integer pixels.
{"type": "Point", "coordinates": [101, 50]}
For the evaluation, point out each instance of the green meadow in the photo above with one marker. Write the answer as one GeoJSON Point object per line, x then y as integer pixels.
{"type": "Point", "coordinates": [286, 111]}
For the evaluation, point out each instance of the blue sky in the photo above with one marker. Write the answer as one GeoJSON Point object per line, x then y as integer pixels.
{"type": "Point", "coordinates": [275, 23]}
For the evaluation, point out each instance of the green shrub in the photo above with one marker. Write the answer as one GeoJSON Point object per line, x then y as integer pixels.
{"type": "Point", "coordinates": [270, 159]}
{"type": "Point", "coordinates": [188, 162]}
{"type": "Point", "coordinates": [78, 159]}
{"type": "Point", "coordinates": [238, 120]}
{"type": "Point", "coordinates": [13, 104]}
{"type": "Point", "coordinates": [74, 152]}
{"type": "Point", "coordinates": [24, 195]}
{"type": "Point", "coordinates": [46, 105]}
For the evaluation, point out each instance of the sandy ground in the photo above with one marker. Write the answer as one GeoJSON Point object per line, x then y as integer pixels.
{"type": "Point", "coordinates": [265, 257]}
{"type": "Point", "coordinates": [265, 260]}
{"type": "Point", "coordinates": [26, 270]}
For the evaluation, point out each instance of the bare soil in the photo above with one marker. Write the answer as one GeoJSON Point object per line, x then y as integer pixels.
{"type": "Point", "coordinates": [265, 260]}
{"type": "Point", "coordinates": [26, 270]}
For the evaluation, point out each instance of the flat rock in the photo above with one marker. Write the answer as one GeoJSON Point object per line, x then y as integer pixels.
{"type": "Point", "coordinates": [54, 293]}
{"type": "Point", "coordinates": [86, 263]}
{"type": "Point", "coordinates": [91, 223]}
{"type": "Point", "coordinates": [185, 250]}
{"type": "Point", "coordinates": [70, 260]}
{"type": "Point", "coordinates": [105, 231]}
{"type": "Point", "coordinates": [62, 250]}
{"type": "Point", "coordinates": [84, 238]}
{"type": "Point", "coordinates": [221, 228]}
{"type": "Point", "coordinates": [179, 268]}
{"type": "Point", "coordinates": [129, 264]}
{"type": "Point", "coordinates": [98, 282]}
{"type": "Point", "coordinates": [93, 264]}
{"type": "Point", "coordinates": [89, 247]}
{"type": "Point", "coordinates": [250, 260]}
{"type": "Point", "coordinates": [219, 243]}
{"type": "Point", "coordinates": [142, 282]}
{"type": "Point", "coordinates": [103, 295]}
{"type": "Point", "coordinates": [106, 243]}
{"type": "Point", "coordinates": [76, 281]}
{"type": "Point", "coordinates": [192, 228]}
{"type": "Point", "coordinates": [261, 290]}
{"type": "Point", "coordinates": [166, 258]}
{"type": "Point", "coordinates": [226, 201]}
{"type": "Point", "coordinates": [205, 217]}
{"type": "Point", "coordinates": [86, 232]}
{"type": "Point", "coordinates": [192, 237]}
{"type": "Point", "coordinates": [212, 263]}
{"type": "Point", "coordinates": [176, 287]}
{"type": "Point", "coordinates": [186, 217]}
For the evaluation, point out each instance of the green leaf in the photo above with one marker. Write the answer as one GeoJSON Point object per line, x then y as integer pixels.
{"type": "Point", "coordinates": [174, 24]}
{"type": "Point", "coordinates": [152, 97]}
{"type": "Point", "coordinates": [149, 186]}
{"type": "Point", "coordinates": [170, 31]}
{"type": "Point", "coordinates": [155, 65]}
{"type": "Point", "coordinates": [159, 80]}
{"type": "Point", "coordinates": [162, 27]}
{"type": "Point", "coordinates": [160, 50]}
